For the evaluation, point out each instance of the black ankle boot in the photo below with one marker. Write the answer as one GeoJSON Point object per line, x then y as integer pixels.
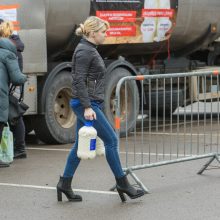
{"type": "Point", "coordinates": [19, 151]}
{"type": "Point", "coordinates": [64, 186]}
{"type": "Point", "coordinates": [123, 186]}
{"type": "Point", "coordinates": [20, 154]}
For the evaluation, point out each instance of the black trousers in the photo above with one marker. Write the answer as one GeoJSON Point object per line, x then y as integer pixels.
{"type": "Point", "coordinates": [18, 131]}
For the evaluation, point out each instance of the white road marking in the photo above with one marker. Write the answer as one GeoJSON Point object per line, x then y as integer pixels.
{"type": "Point", "coordinates": [177, 134]}
{"type": "Point", "coordinates": [129, 153]}
{"type": "Point", "coordinates": [54, 188]}
{"type": "Point", "coordinates": [48, 149]}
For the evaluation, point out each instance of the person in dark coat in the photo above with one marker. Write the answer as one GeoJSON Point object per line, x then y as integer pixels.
{"type": "Point", "coordinates": [9, 74]}
{"type": "Point", "coordinates": [17, 129]}
{"type": "Point", "coordinates": [20, 48]}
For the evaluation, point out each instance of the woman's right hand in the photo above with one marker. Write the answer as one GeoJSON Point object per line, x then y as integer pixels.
{"type": "Point", "coordinates": [89, 114]}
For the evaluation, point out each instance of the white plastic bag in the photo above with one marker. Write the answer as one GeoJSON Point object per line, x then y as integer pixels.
{"type": "Point", "coordinates": [7, 146]}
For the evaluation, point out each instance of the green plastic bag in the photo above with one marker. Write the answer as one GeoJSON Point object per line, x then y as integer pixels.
{"type": "Point", "coordinates": [7, 146]}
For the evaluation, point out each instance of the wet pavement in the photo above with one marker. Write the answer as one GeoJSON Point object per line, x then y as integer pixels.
{"type": "Point", "coordinates": [27, 190]}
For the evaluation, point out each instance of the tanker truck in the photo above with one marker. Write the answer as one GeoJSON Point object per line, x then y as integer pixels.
{"type": "Point", "coordinates": [146, 37]}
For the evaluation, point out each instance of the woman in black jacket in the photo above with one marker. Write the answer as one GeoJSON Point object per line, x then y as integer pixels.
{"type": "Point", "coordinates": [88, 73]}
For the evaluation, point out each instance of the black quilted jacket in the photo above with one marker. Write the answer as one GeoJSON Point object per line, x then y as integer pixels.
{"type": "Point", "coordinates": [88, 72]}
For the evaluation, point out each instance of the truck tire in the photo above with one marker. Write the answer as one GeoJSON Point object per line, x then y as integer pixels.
{"type": "Point", "coordinates": [214, 56]}
{"type": "Point", "coordinates": [57, 125]}
{"type": "Point", "coordinates": [109, 109]}
{"type": "Point", "coordinates": [168, 95]}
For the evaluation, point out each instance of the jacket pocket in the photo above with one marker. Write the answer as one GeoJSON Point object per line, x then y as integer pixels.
{"type": "Point", "coordinates": [100, 88]}
{"type": "Point", "coordinates": [91, 87]}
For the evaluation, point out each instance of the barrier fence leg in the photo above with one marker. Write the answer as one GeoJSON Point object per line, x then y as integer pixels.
{"type": "Point", "coordinates": [208, 163]}
{"type": "Point", "coordinates": [137, 180]}
{"type": "Point", "coordinates": [217, 158]}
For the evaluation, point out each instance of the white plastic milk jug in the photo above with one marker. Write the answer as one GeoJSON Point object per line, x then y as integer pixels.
{"type": "Point", "coordinates": [100, 148]}
{"type": "Point", "coordinates": [87, 141]}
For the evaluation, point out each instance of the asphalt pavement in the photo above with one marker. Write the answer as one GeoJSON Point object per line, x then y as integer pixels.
{"type": "Point", "coordinates": [27, 190]}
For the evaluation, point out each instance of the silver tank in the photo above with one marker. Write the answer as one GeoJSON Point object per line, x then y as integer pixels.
{"type": "Point", "coordinates": [61, 17]}
{"type": "Point", "coordinates": [193, 19]}
{"type": "Point", "coordinates": [50, 24]}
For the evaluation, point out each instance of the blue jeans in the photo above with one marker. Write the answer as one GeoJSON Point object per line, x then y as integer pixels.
{"type": "Point", "coordinates": [104, 131]}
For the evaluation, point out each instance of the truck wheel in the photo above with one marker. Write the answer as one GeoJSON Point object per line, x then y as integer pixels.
{"type": "Point", "coordinates": [109, 107]}
{"type": "Point", "coordinates": [214, 56]}
{"type": "Point", "coordinates": [168, 95]}
{"type": "Point", "coordinates": [57, 125]}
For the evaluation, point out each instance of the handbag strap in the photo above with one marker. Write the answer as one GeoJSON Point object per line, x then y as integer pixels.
{"type": "Point", "coordinates": [12, 90]}
{"type": "Point", "coordinates": [22, 93]}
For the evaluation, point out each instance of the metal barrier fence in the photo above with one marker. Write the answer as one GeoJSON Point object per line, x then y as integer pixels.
{"type": "Point", "coordinates": [178, 120]}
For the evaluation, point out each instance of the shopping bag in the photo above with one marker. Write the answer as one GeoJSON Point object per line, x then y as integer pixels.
{"type": "Point", "coordinates": [7, 146]}
{"type": "Point", "coordinates": [16, 105]}
{"type": "Point", "coordinates": [16, 109]}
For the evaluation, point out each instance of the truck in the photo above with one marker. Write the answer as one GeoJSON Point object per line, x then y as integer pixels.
{"type": "Point", "coordinates": [145, 37]}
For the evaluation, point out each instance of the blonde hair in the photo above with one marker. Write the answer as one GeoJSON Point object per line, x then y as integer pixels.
{"type": "Point", "coordinates": [92, 23]}
{"type": "Point", "coordinates": [6, 29]}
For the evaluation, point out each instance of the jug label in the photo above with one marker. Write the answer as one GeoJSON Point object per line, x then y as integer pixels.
{"type": "Point", "coordinates": [92, 144]}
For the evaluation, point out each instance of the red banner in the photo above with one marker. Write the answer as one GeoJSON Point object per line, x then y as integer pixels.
{"type": "Point", "coordinates": [117, 16]}
{"type": "Point", "coordinates": [158, 13]}
{"type": "Point", "coordinates": [119, 31]}
{"type": "Point", "coordinates": [6, 7]}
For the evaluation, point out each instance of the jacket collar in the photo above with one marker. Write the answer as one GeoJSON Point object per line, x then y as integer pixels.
{"type": "Point", "coordinates": [85, 41]}
{"type": "Point", "coordinates": [5, 43]}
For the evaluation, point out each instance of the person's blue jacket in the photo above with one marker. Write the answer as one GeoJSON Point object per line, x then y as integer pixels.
{"type": "Point", "coordinates": [9, 73]}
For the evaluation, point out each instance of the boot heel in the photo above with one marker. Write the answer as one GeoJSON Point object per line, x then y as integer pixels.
{"type": "Point", "coordinates": [59, 195]}
{"type": "Point", "coordinates": [122, 196]}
